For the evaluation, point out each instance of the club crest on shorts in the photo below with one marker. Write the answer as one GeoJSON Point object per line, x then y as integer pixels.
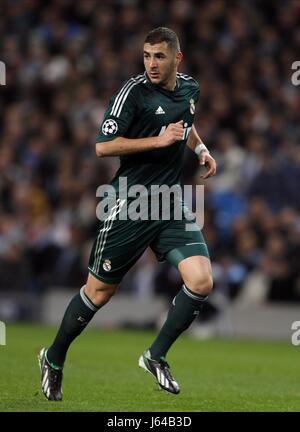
{"type": "Point", "coordinates": [107, 265]}
{"type": "Point", "coordinates": [192, 106]}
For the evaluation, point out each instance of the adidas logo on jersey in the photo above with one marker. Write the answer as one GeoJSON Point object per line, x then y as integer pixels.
{"type": "Point", "coordinates": [159, 110]}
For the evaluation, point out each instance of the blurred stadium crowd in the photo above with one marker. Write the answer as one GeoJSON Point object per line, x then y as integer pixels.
{"type": "Point", "coordinates": [66, 58]}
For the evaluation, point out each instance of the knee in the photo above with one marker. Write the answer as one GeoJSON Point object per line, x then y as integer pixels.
{"type": "Point", "coordinates": [201, 284]}
{"type": "Point", "coordinates": [100, 296]}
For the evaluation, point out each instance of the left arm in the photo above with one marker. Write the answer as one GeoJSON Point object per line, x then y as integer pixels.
{"type": "Point", "coordinates": [195, 143]}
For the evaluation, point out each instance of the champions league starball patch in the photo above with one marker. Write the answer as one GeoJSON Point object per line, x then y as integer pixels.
{"type": "Point", "coordinates": [109, 127]}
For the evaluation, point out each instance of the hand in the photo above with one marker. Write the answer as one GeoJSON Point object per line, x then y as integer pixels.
{"type": "Point", "coordinates": [206, 159]}
{"type": "Point", "coordinates": [173, 133]}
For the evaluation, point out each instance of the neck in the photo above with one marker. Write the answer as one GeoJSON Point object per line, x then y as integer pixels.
{"type": "Point", "coordinates": [170, 84]}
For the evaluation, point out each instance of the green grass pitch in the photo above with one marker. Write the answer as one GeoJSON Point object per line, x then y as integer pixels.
{"type": "Point", "coordinates": [101, 374]}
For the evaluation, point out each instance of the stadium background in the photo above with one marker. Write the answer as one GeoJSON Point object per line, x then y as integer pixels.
{"type": "Point", "coordinates": [64, 59]}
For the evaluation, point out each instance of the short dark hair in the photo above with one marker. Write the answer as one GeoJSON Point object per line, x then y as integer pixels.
{"type": "Point", "coordinates": [163, 34]}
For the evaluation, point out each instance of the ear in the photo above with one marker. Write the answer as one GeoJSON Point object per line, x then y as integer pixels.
{"type": "Point", "coordinates": [178, 58]}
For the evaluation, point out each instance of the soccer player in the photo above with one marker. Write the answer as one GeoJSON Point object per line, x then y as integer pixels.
{"type": "Point", "coordinates": [148, 123]}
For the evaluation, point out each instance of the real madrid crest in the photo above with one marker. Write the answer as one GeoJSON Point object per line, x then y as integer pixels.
{"type": "Point", "coordinates": [192, 106]}
{"type": "Point", "coordinates": [107, 265]}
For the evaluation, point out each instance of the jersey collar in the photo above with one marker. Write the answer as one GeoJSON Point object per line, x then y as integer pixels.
{"type": "Point", "coordinates": [157, 87]}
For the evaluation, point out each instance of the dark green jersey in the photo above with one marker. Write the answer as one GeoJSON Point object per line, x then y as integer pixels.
{"type": "Point", "coordinates": [141, 109]}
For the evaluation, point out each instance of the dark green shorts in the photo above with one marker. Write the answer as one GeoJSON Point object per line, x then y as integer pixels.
{"type": "Point", "coordinates": [120, 244]}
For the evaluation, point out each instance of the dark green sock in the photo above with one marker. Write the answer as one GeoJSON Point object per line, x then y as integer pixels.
{"type": "Point", "coordinates": [77, 316]}
{"type": "Point", "coordinates": [186, 305]}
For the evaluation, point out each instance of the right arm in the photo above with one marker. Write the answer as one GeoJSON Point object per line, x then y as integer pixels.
{"type": "Point", "coordinates": [123, 109]}
{"type": "Point", "coordinates": [124, 146]}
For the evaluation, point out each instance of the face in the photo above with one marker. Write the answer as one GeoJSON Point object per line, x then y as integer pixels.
{"type": "Point", "coordinates": [161, 63]}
